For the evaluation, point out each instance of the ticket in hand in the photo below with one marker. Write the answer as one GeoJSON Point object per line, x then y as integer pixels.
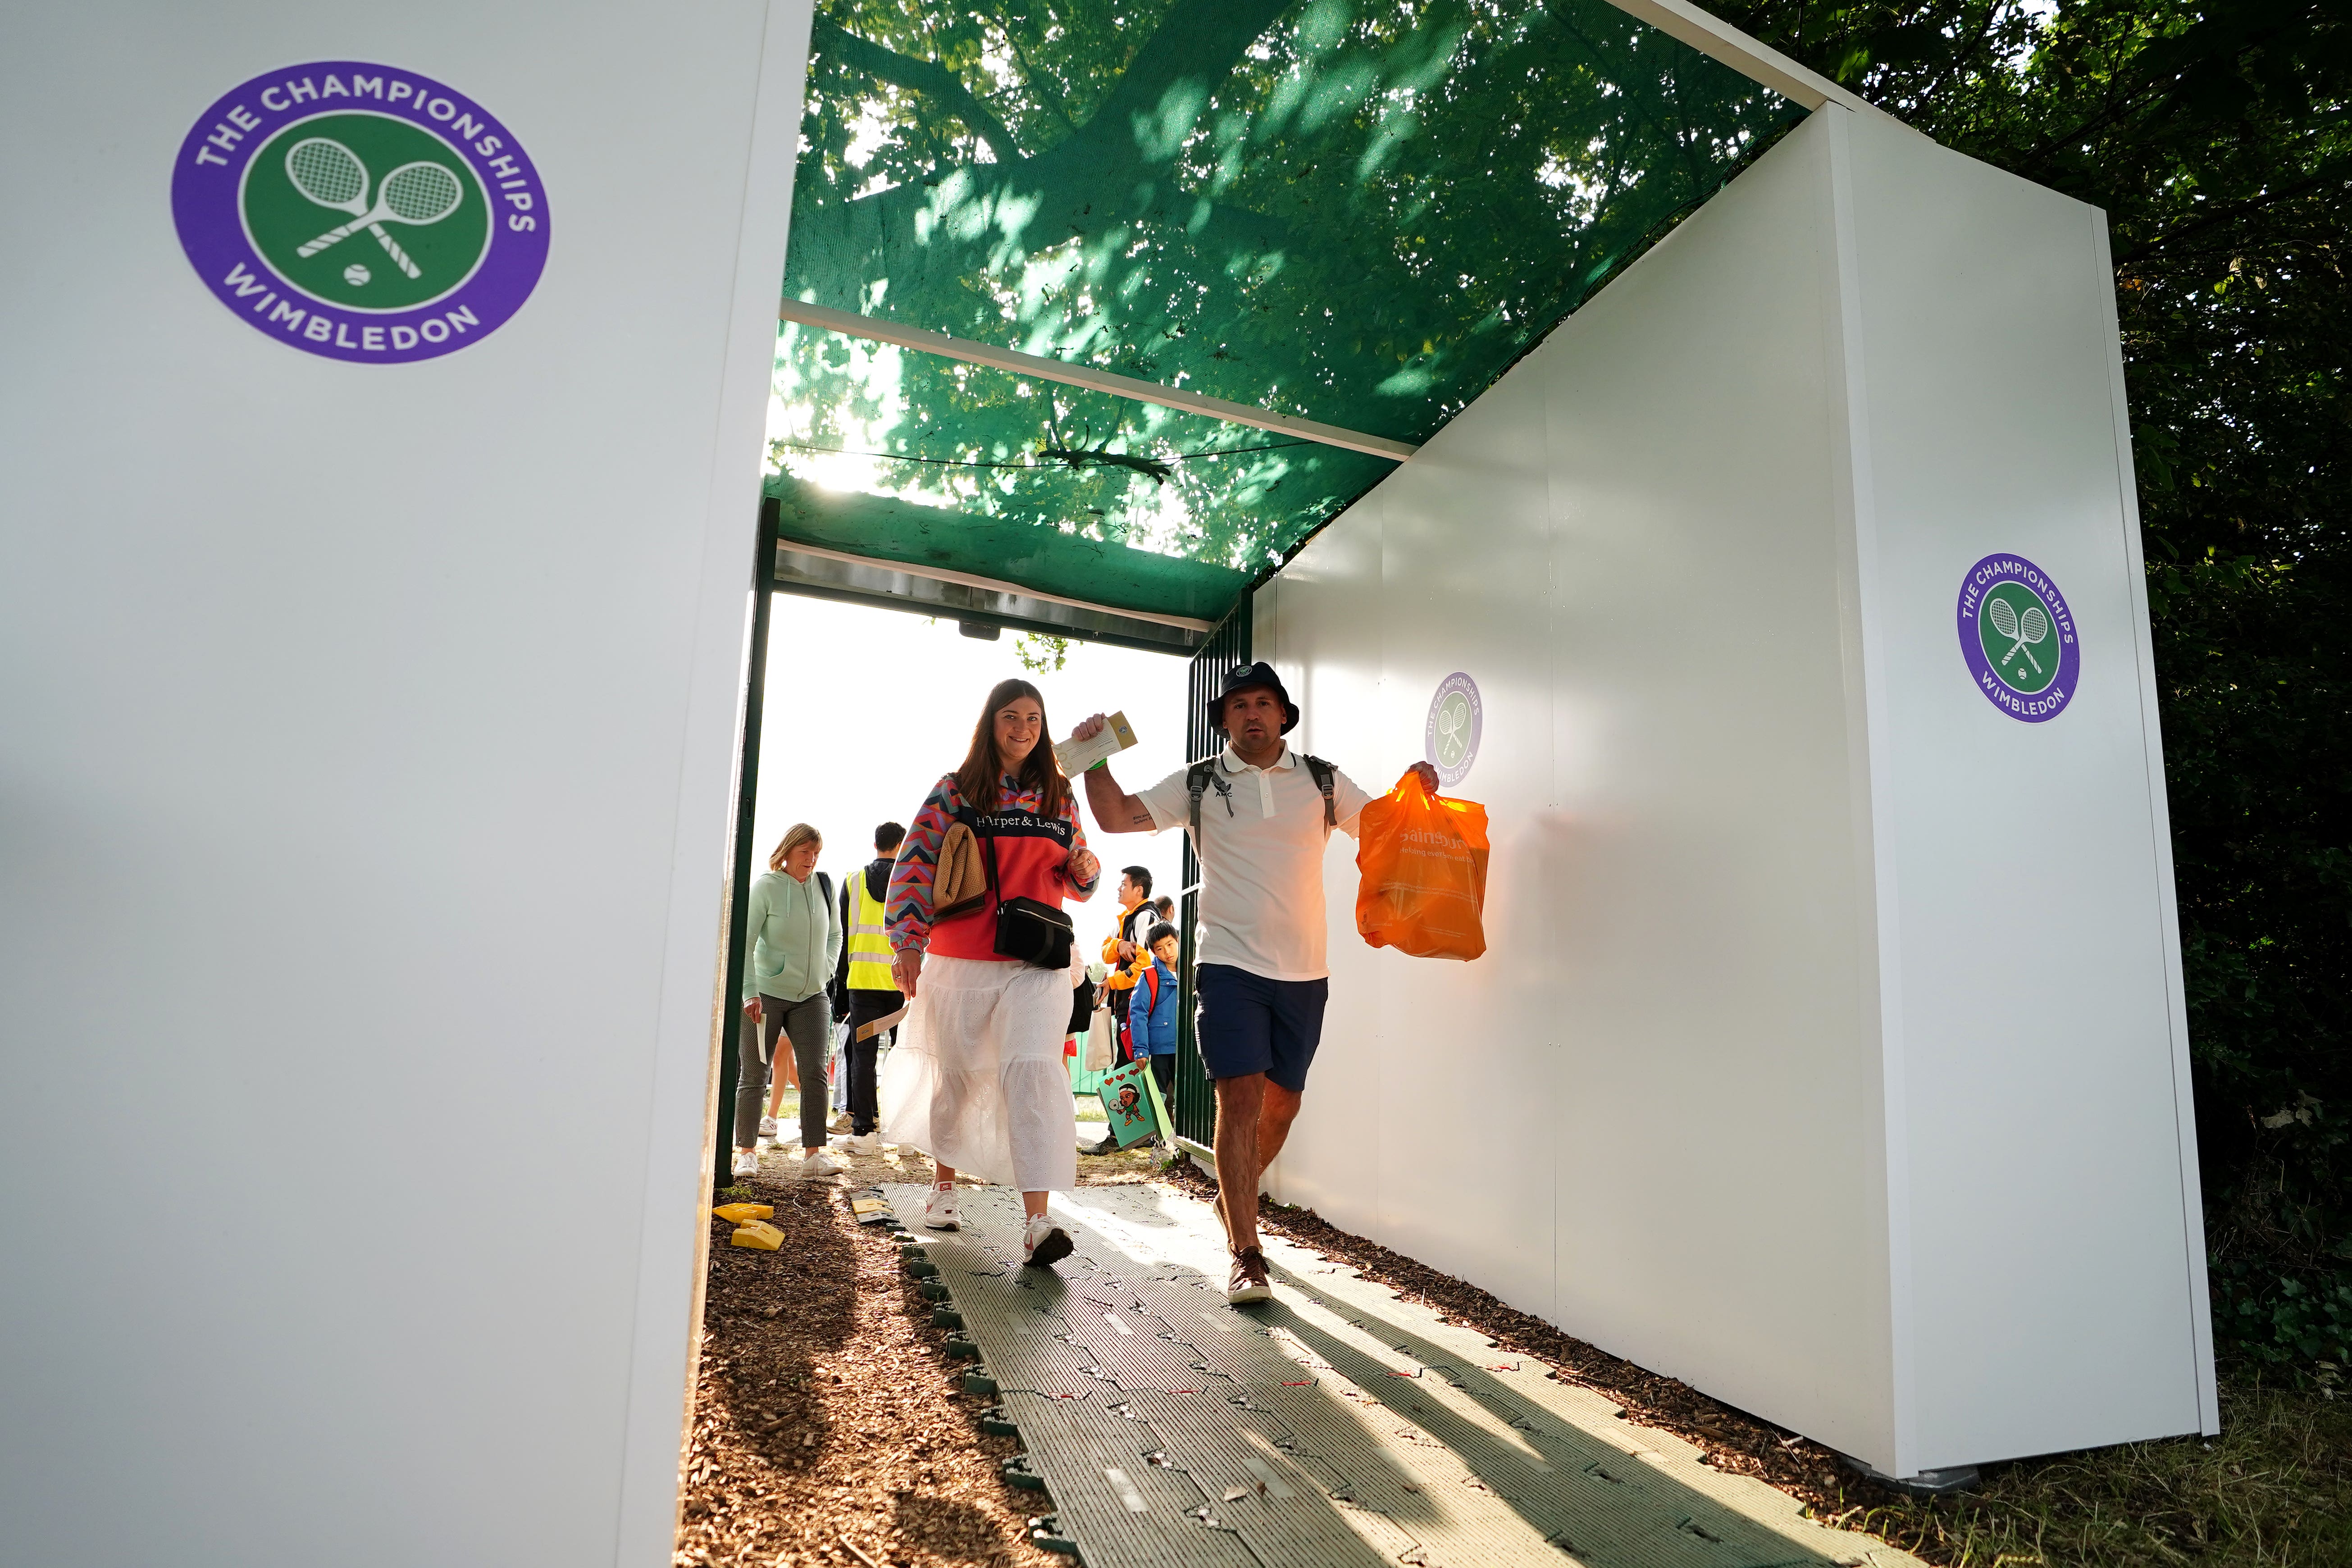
{"type": "Point", "coordinates": [1077, 756]}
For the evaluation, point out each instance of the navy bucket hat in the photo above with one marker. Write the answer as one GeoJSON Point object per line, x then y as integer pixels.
{"type": "Point", "coordinates": [1247, 678]}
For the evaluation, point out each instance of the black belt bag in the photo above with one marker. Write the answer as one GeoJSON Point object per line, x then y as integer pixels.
{"type": "Point", "coordinates": [1028, 931]}
{"type": "Point", "coordinates": [1038, 934]}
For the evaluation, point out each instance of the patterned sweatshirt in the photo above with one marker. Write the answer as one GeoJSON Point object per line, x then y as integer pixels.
{"type": "Point", "coordinates": [1031, 864]}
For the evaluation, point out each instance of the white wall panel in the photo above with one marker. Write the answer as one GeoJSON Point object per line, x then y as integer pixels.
{"type": "Point", "coordinates": [1765, 860]}
{"type": "Point", "coordinates": [1469, 1039]}
{"type": "Point", "coordinates": [2055, 1298]}
{"type": "Point", "coordinates": [365, 766]}
{"type": "Point", "coordinates": [1629, 543]}
{"type": "Point", "coordinates": [1716, 969]}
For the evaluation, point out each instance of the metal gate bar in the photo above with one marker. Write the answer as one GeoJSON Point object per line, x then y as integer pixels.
{"type": "Point", "coordinates": [1227, 647]}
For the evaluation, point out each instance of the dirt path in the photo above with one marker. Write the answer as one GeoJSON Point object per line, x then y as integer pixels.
{"type": "Point", "coordinates": [829, 1426]}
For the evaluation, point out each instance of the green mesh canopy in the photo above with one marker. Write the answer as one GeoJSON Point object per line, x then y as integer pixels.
{"type": "Point", "coordinates": [1360, 213]}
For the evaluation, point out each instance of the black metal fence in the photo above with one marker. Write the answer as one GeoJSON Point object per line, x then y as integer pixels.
{"type": "Point", "coordinates": [1228, 647]}
{"type": "Point", "coordinates": [739, 881]}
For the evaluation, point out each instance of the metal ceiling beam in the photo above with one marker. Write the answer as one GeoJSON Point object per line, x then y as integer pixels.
{"type": "Point", "coordinates": [1069, 374]}
{"type": "Point", "coordinates": [936, 590]}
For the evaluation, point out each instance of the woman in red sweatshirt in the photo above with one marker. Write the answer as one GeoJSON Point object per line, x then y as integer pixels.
{"type": "Point", "coordinates": [977, 1080]}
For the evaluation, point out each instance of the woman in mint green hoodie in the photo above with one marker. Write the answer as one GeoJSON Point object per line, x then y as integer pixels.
{"type": "Point", "coordinates": [794, 935]}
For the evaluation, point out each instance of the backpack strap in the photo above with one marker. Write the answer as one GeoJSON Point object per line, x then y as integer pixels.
{"type": "Point", "coordinates": [824, 886]}
{"type": "Point", "coordinates": [1323, 773]}
{"type": "Point", "coordinates": [1196, 783]}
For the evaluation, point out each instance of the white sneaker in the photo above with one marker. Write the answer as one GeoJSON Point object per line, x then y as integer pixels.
{"type": "Point", "coordinates": [865, 1144]}
{"type": "Point", "coordinates": [939, 1213]}
{"type": "Point", "coordinates": [1044, 1243]}
{"type": "Point", "coordinates": [768, 1128]}
{"type": "Point", "coordinates": [820, 1163]}
{"type": "Point", "coordinates": [747, 1162]}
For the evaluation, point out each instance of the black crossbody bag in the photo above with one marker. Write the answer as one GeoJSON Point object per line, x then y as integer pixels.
{"type": "Point", "coordinates": [1035, 933]}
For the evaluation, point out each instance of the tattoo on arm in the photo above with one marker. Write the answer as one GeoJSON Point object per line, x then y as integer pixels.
{"type": "Point", "coordinates": [1116, 811]}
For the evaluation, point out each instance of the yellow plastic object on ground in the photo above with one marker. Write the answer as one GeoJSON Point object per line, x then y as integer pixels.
{"type": "Point", "coordinates": [740, 1214]}
{"type": "Point", "coordinates": [758, 1234]}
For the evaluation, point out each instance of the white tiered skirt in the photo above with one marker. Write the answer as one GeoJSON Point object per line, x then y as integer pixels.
{"type": "Point", "coordinates": [977, 1079]}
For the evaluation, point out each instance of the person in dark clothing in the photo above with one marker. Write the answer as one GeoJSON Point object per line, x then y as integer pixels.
{"type": "Point", "coordinates": [865, 981]}
{"type": "Point", "coordinates": [1082, 1011]}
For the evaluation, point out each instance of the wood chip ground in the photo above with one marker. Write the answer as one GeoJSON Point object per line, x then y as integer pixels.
{"type": "Point", "coordinates": [829, 1425]}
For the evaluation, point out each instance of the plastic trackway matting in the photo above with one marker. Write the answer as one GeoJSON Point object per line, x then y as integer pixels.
{"type": "Point", "coordinates": [1334, 1427]}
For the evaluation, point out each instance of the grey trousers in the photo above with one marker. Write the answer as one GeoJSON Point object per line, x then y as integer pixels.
{"type": "Point", "coordinates": [806, 1024]}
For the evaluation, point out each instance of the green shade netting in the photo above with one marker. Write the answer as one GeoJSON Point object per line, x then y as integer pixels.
{"type": "Point", "coordinates": [1075, 492]}
{"type": "Point", "coordinates": [1358, 213]}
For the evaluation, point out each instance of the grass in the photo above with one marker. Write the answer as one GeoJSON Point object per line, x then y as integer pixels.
{"type": "Point", "coordinates": [2273, 1489]}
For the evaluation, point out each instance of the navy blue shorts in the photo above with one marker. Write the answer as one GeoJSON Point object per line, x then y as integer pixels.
{"type": "Point", "coordinates": [1249, 1024]}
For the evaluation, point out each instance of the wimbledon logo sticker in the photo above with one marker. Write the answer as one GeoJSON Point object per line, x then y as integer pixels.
{"type": "Point", "coordinates": [361, 212]}
{"type": "Point", "coordinates": [2018, 636]}
{"type": "Point", "coordinates": [1456, 719]}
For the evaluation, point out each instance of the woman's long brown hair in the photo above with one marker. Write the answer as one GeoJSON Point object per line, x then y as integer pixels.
{"type": "Point", "coordinates": [1041, 771]}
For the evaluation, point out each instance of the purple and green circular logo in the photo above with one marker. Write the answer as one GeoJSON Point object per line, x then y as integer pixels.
{"type": "Point", "coordinates": [1456, 719]}
{"type": "Point", "coordinates": [361, 212]}
{"type": "Point", "coordinates": [2018, 636]}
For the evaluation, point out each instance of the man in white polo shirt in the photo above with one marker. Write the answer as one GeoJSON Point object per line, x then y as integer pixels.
{"type": "Point", "coordinates": [1260, 815]}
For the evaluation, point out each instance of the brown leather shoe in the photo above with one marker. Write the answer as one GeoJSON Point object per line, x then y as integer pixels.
{"type": "Point", "coordinates": [1248, 1282]}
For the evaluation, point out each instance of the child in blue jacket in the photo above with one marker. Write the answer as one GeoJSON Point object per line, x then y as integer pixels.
{"type": "Point", "coordinates": [1154, 1001]}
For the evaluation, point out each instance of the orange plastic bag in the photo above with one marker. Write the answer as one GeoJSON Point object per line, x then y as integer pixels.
{"type": "Point", "coordinates": [1423, 858]}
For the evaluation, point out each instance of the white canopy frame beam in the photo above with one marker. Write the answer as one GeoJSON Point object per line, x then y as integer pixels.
{"type": "Point", "coordinates": [1752, 57]}
{"type": "Point", "coordinates": [850, 324]}
{"type": "Point", "coordinates": [786, 547]}
{"type": "Point", "coordinates": [922, 590]}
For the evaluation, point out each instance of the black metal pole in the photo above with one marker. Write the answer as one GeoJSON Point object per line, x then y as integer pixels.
{"type": "Point", "coordinates": [1228, 647]}
{"type": "Point", "coordinates": [738, 886]}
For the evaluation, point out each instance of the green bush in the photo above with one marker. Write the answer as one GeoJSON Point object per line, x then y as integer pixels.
{"type": "Point", "coordinates": [2300, 1325]}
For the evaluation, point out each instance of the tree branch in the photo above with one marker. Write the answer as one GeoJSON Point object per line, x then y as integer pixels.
{"type": "Point", "coordinates": [933, 80]}
{"type": "Point", "coordinates": [2222, 213]}
{"type": "Point", "coordinates": [1200, 42]}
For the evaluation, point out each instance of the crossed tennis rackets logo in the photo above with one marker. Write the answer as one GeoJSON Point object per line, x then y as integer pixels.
{"type": "Point", "coordinates": [332, 174]}
{"type": "Point", "coordinates": [2031, 628]}
{"type": "Point", "coordinates": [2019, 638]}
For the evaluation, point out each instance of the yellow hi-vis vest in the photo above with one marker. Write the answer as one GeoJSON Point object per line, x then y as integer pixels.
{"type": "Point", "coordinates": [869, 943]}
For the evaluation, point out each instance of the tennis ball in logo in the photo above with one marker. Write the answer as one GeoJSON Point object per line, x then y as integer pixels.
{"type": "Point", "coordinates": [2020, 637]}
{"type": "Point", "coordinates": [366, 211]}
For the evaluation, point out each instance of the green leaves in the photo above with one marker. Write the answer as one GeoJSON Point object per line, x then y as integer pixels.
{"type": "Point", "coordinates": [1360, 214]}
